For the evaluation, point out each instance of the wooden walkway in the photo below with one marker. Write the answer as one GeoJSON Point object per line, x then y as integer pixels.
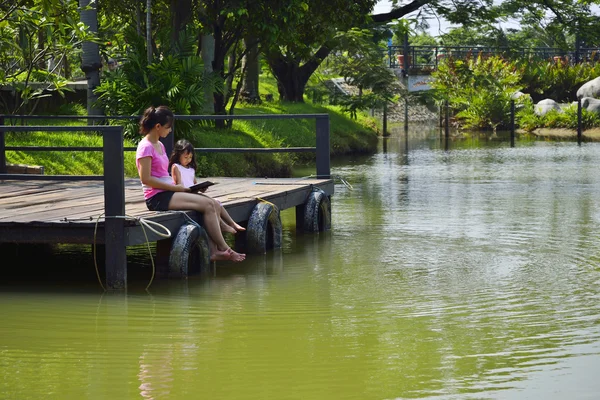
{"type": "Point", "coordinates": [69, 211]}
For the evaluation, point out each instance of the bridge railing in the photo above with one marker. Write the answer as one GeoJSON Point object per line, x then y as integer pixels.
{"type": "Point", "coordinates": [428, 57]}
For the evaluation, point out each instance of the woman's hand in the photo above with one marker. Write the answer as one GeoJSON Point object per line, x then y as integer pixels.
{"type": "Point", "coordinates": [181, 188]}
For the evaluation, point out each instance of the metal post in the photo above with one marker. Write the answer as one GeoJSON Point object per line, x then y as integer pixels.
{"type": "Point", "coordinates": [447, 121]}
{"type": "Point", "coordinates": [405, 114]}
{"type": "Point", "coordinates": [2, 150]}
{"type": "Point", "coordinates": [405, 51]}
{"type": "Point", "coordinates": [114, 205]}
{"type": "Point", "coordinates": [512, 123]}
{"type": "Point", "coordinates": [579, 128]}
{"type": "Point", "coordinates": [385, 131]}
{"type": "Point", "coordinates": [323, 154]}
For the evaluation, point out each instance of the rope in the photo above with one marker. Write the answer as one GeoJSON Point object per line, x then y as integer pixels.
{"type": "Point", "coordinates": [265, 201]}
{"type": "Point", "coordinates": [144, 223]}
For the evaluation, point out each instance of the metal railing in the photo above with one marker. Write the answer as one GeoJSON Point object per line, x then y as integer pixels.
{"type": "Point", "coordinates": [428, 57]}
{"type": "Point", "coordinates": [321, 148]}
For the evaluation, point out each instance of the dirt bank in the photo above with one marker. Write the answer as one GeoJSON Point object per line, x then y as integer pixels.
{"type": "Point", "coordinates": [592, 134]}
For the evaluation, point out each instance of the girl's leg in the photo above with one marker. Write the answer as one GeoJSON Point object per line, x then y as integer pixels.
{"type": "Point", "coordinates": [228, 220]}
{"type": "Point", "coordinates": [228, 223]}
{"type": "Point", "coordinates": [205, 205]}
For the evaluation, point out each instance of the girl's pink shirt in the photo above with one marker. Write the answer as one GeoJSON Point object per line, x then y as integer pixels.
{"type": "Point", "coordinates": [188, 175]}
{"type": "Point", "coordinates": [159, 165]}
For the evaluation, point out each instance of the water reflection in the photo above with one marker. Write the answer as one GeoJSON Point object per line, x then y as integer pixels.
{"type": "Point", "coordinates": [467, 273]}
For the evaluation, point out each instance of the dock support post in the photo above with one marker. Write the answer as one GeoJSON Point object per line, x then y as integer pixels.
{"type": "Point", "coordinates": [579, 130]}
{"type": "Point", "coordinates": [405, 114]}
{"type": "Point", "coordinates": [384, 122]}
{"type": "Point", "coordinates": [323, 156]}
{"type": "Point", "coordinates": [2, 150]}
{"type": "Point", "coordinates": [512, 123]}
{"type": "Point", "coordinates": [447, 120]}
{"type": "Point", "coordinates": [114, 206]}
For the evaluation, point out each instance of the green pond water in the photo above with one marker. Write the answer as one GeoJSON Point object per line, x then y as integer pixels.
{"type": "Point", "coordinates": [471, 272]}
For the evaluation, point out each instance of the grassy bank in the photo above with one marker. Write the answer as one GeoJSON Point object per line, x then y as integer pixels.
{"type": "Point", "coordinates": [347, 136]}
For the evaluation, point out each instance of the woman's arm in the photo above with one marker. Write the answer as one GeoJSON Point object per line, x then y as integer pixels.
{"type": "Point", "coordinates": [149, 180]}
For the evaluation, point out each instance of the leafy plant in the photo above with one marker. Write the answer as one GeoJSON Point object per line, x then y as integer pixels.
{"type": "Point", "coordinates": [557, 80]}
{"type": "Point", "coordinates": [176, 79]}
{"type": "Point", "coordinates": [479, 89]}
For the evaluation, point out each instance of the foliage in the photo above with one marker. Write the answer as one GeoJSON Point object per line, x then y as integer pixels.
{"type": "Point", "coordinates": [556, 80]}
{"type": "Point", "coordinates": [39, 43]}
{"type": "Point", "coordinates": [359, 62]}
{"type": "Point", "coordinates": [479, 89]}
{"type": "Point", "coordinates": [347, 136]}
{"type": "Point", "coordinates": [526, 118]}
{"type": "Point", "coordinates": [175, 80]}
{"type": "Point", "coordinates": [568, 118]}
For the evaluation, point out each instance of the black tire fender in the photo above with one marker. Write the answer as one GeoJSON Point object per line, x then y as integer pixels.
{"type": "Point", "coordinates": [264, 228]}
{"type": "Point", "coordinates": [190, 252]}
{"type": "Point", "coordinates": [317, 212]}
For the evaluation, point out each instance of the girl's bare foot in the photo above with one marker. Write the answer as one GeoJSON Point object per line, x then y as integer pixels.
{"type": "Point", "coordinates": [227, 228]}
{"type": "Point", "coordinates": [238, 228]}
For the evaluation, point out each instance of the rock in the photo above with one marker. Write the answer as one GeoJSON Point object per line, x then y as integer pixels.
{"type": "Point", "coordinates": [516, 95]}
{"type": "Point", "coordinates": [591, 104]}
{"type": "Point", "coordinates": [544, 106]}
{"type": "Point", "coordinates": [589, 89]}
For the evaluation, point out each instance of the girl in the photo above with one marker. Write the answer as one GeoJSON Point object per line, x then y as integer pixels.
{"type": "Point", "coordinates": [182, 164]}
{"type": "Point", "coordinates": [160, 192]}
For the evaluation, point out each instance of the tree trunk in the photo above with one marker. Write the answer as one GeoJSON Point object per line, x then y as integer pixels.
{"type": "Point", "coordinates": [90, 59]}
{"type": "Point", "coordinates": [138, 19]}
{"type": "Point", "coordinates": [249, 92]}
{"type": "Point", "coordinates": [231, 60]}
{"type": "Point", "coordinates": [218, 64]}
{"type": "Point", "coordinates": [180, 16]}
{"type": "Point", "coordinates": [208, 54]}
{"type": "Point", "coordinates": [291, 77]}
{"type": "Point", "coordinates": [149, 30]}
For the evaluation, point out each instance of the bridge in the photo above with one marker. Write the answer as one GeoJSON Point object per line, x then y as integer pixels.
{"type": "Point", "coordinates": [426, 58]}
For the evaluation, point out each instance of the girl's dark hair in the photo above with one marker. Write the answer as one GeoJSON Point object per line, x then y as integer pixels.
{"type": "Point", "coordinates": [182, 146]}
{"type": "Point", "coordinates": [152, 116]}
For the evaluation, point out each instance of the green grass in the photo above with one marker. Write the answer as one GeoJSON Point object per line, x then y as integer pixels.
{"type": "Point", "coordinates": [347, 136]}
{"type": "Point", "coordinates": [62, 162]}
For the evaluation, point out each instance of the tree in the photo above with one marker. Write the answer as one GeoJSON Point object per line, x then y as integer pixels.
{"type": "Point", "coordinates": [39, 40]}
{"type": "Point", "coordinates": [305, 35]}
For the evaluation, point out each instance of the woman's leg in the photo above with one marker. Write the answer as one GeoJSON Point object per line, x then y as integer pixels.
{"type": "Point", "coordinates": [204, 205]}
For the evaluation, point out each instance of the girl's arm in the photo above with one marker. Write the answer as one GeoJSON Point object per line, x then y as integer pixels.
{"type": "Point", "coordinates": [152, 181]}
{"type": "Point", "coordinates": [176, 175]}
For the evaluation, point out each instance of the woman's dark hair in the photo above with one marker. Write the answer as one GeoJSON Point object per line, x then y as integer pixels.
{"type": "Point", "coordinates": [152, 116]}
{"type": "Point", "coordinates": [182, 146]}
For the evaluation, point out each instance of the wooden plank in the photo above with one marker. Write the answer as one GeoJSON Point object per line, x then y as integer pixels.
{"type": "Point", "coordinates": [36, 212]}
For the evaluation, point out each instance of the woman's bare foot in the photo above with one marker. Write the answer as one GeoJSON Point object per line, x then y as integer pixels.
{"type": "Point", "coordinates": [227, 228]}
{"type": "Point", "coordinates": [237, 257]}
{"type": "Point", "coordinates": [217, 255]}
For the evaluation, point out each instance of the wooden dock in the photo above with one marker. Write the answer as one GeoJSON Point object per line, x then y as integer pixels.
{"type": "Point", "coordinates": [110, 210]}
{"type": "Point", "coordinates": [70, 211]}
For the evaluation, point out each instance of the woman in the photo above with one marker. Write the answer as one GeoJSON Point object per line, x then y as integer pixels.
{"type": "Point", "coordinates": [160, 192]}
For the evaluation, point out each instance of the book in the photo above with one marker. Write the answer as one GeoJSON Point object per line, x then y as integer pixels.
{"type": "Point", "coordinates": [199, 186]}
